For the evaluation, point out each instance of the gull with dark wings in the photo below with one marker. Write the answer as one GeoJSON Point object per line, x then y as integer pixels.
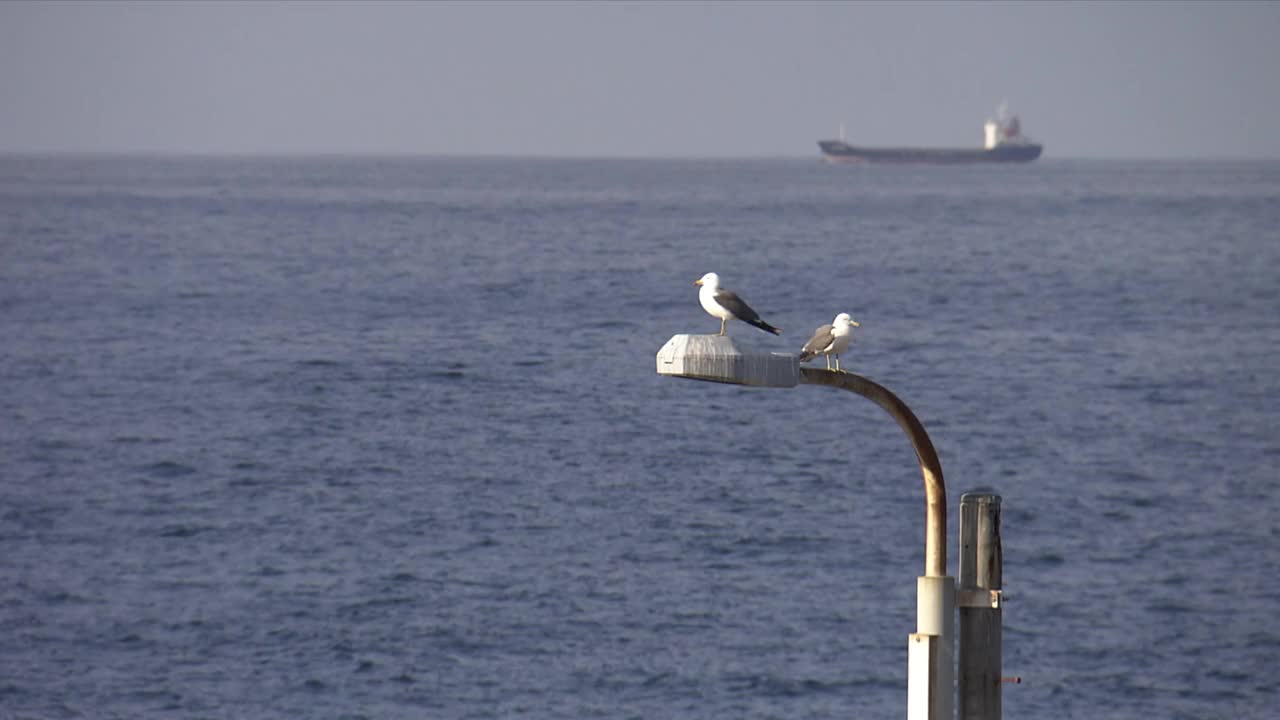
{"type": "Point", "coordinates": [726, 305]}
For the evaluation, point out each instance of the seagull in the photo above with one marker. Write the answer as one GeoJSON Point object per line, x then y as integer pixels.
{"type": "Point", "coordinates": [830, 340]}
{"type": "Point", "coordinates": [726, 305]}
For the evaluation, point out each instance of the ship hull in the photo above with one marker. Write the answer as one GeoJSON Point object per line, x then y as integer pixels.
{"type": "Point", "coordinates": [841, 152]}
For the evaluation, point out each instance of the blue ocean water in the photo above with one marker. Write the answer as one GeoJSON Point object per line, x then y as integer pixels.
{"type": "Point", "coordinates": [374, 437]}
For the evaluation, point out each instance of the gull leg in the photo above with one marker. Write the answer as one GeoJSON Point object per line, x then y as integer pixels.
{"type": "Point", "coordinates": [838, 363]}
{"type": "Point", "coordinates": [722, 324]}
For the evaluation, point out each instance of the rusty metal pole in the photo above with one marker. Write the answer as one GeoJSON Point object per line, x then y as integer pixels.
{"type": "Point", "coordinates": [931, 655]}
{"type": "Point", "coordinates": [930, 650]}
{"type": "Point", "coordinates": [935, 542]}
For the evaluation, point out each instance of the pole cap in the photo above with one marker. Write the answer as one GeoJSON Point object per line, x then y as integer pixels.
{"type": "Point", "coordinates": [980, 498]}
{"type": "Point", "coordinates": [718, 358]}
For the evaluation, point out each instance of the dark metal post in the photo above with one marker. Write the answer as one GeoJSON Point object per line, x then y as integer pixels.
{"type": "Point", "coordinates": [978, 597]}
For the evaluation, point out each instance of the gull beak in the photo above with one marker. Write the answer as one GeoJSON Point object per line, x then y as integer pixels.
{"type": "Point", "coordinates": [698, 281]}
{"type": "Point", "coordinates": [855, 323]}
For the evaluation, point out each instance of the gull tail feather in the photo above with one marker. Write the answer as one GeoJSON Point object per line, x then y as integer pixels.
{"type": "Point", "coordinates": [765, 326]}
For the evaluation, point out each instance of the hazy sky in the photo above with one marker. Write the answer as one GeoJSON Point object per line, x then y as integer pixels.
{"type": "Point", "coordinates": [1089, 79]}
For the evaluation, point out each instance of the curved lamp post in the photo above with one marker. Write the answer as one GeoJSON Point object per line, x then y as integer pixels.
{"type": "Point", "coordinates": [935, 492]}
{"type": "Point", "coordinates": [930, 657]}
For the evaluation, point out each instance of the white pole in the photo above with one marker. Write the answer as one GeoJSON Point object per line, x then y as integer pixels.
{"type": "Point", "coordinates": [930, 681]}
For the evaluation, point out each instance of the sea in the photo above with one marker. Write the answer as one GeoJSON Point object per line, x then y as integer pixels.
{"type": "Point", "coordinates": [383, 437]}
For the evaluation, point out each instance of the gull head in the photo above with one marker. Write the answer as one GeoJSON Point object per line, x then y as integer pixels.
{"type": "Point", "coordinates": [844, 319]}
{"type": "Point", "coordinates": [710, 280]}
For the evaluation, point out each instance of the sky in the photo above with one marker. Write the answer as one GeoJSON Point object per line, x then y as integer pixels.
{"type": "Point", "coordinates": [643, 79]}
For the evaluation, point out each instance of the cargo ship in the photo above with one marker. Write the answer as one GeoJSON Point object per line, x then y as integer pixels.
{"type": "Point", "coordinates": [1004, 143]}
